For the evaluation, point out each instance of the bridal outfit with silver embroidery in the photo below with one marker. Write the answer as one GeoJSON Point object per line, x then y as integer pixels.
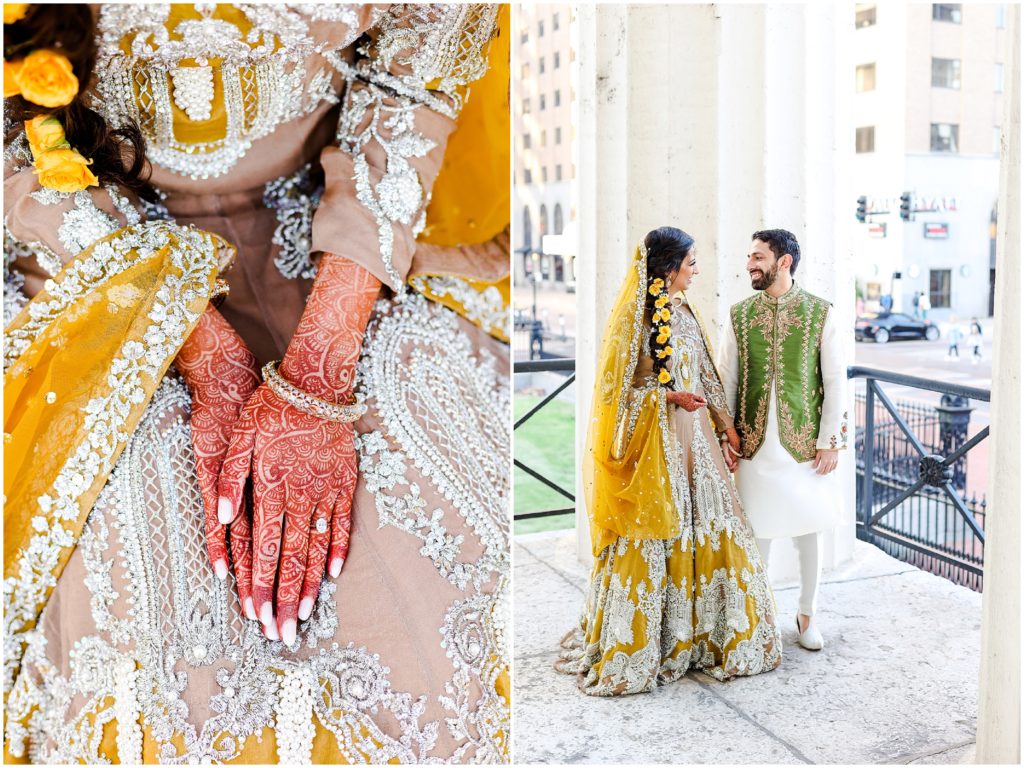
{"type": "Point", "coordinates": [282, 131]}
{"type": "Point", "coordinates": [656, 608]}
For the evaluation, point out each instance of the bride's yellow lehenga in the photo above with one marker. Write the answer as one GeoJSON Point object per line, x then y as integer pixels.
{"type": "Point", "coordinates": [678, 582]}
{"type": "Point", "coordinates": [379, 133]}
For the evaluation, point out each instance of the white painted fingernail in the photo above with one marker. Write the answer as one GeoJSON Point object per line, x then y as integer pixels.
{"type": "Point", "coordinates": [221, 569]}
{"type": "Point", "coordinates": [288, 632]}
{"type": "Point", "coordinates": [225, 511]}
{"type": "Point", "coordinates": [336, 564]}
{"type": "Point", "coordinates": [270, 630]}
{"type": "Point", "coordinates": [267, 614]}
{"type": "Point", "coordinates": [250, 611]}
{"type": "Point", "coordinates": [306, 608]}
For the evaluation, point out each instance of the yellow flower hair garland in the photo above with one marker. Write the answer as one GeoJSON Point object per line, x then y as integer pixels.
{"type": "Point", "coordinates": [46, 78]}
{"type": "Point", "coordinates": [660, 318]}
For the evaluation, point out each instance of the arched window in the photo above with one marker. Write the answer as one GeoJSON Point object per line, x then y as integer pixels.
{"type": "Point", "coordinates": [558, 219]}
{"type": "Point", "coordinates": [527, 228]}
{"type": "Point", "coordinates": [543, 220]}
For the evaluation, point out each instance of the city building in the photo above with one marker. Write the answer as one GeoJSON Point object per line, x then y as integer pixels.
{"type": "Point", "coordinates": [544, 211]}
{"type": "Point", "coordinates": [928, 85]}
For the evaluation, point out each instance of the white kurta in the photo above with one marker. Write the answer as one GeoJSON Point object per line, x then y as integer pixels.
{"type": "Point", "coordinates": [782, 497]}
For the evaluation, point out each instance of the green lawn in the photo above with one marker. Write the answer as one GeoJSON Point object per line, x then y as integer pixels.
{"type": "Point", "coordinates": [546, 444]}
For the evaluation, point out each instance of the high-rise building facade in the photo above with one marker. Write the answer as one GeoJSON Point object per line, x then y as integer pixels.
{"type": "Point", "coordinates": [928, 106]}
{"type": "Point", "coordinates": [543, 110]}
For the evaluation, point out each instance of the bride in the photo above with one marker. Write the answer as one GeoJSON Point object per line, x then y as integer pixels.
{"type": "Point", "coordinates": [678, 582]}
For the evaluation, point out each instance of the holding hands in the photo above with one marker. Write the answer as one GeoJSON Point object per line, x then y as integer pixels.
{"type": "Point", "coordinates": [686, 400]}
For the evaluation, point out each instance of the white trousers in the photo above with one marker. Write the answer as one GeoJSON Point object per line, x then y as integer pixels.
{"type": "Point", "coordinates": [808, 548]}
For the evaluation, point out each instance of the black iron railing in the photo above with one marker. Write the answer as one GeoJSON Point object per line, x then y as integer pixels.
{"type": "Point", "coordinates": [912, 498]}
{"type": "Point", "coordinates": [545, 366]}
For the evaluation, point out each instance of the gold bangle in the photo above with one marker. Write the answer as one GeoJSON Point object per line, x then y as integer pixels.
{"type": "Point", "coordinates": [306, 402]}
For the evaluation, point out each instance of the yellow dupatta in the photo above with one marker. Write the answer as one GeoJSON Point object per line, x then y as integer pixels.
{"type": "Point", "coordinates": [81, 361]}
{"type": "Point", "coordinates": [626, 480]}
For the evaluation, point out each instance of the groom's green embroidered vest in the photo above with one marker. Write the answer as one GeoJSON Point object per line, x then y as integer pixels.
{"type": "Point", "coordinates": [779, 344]}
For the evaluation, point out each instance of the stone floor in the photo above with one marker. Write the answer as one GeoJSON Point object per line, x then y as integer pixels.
{"type": "Point", "coordinates": [896, 682]}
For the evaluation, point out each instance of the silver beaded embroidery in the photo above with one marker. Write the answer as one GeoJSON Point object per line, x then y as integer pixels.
{"type": "Point", "coordinates": [294, 198]}
{"type": "Point", "coordinates": [484, 307]}
{"type": "Point", "coordinates": [25, 590]}
{"type": "Point", "coordinates": [262, 75]}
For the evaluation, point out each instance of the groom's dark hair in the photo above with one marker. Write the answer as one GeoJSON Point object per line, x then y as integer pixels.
{"type": "Point", "coordinates": [781, 242]}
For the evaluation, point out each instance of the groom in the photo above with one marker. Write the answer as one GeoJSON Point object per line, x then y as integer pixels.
{"type": "Point", "coordinates": [784, 379]}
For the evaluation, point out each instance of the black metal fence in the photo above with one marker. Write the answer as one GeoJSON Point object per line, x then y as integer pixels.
{"type": "Point", "coordinates": [912, 499]}
{"type": "Point", "coordinates": [561, 365]}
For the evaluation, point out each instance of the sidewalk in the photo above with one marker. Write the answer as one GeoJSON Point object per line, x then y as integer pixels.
{"type": "Point", "coordinates": [896, 682]}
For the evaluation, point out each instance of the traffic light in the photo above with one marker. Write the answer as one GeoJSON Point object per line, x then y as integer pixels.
{"type": "Point", "coordinates": [862, 209]}
{"type": "Point", "coordinates": [905, 210]}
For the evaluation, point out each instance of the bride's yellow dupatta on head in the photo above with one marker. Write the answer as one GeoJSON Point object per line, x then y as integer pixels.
{"type": "Point", "coordinates": [81, 361]}
{"type": "Point", "coordinates": [626, 480]}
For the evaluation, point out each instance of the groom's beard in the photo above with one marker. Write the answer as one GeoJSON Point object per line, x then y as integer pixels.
{"type": "Point", "coordinates": [765, 279]}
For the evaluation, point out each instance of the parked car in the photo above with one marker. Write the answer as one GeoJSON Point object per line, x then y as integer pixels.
{"type": "Point", "coordinates": [882, 327]}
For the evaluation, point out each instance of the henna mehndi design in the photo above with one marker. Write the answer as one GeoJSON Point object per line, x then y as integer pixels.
{"type": "Point", "coordinates": [303, 467]}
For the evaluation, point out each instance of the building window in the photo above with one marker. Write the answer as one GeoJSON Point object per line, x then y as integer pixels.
{"type": "Point", "coordinates": [544, 174]}
{"type": "Point", "coordinates": [540, 65]}
{"type": "Point", "coordinates": [997, 140]}
{"type": "Point", "coordinates": [558, 135]}
{"type": "Point", "coordinates": [556, 60]}
{"type": "Point", "coordinates": [558, 174]}
{"type": "Point", "coordinates": [559, 224]}
{"type": "Point", "coordinates": [543, 220]}
{"type": "Point", "coordinates": [527, 228]}
{"type": "Point", "coordinates": [865, 78]}
{"type": "Point", "coordinates": [543, 137]}
{"type": "Point", "coordinates": [526, 141]}
{"type": "Point", "coordinates": [526, 106]}
{"type": "Point", "coordinates": [946, 12]}
{"type": "Point", "coordinates": [527, 176]}
{"type": "Point", "coordinates": [558, 98]}
{"type": "Point", "coordinates": [866, 139]}
{"type": "Point", "coordinates": [524, 36]}
{"type": "Point", "coordinates": [938, 288]}
{"type": "Point", "coordinates": [1000, 15]}
{"type": "Point", "coordinates": [946, 73]}
{"type": "Point", "coordinates": [865, 15]}
{"type": "Point", "coordinates": [540, 27]}
{"type": "Point", "coordinates": [999, 78]}
{"type": "Point", "coordinates": [543, 103]}
{"type": "Point", "coordinates": [554, 21]}
{"type": "Point", "coordinates": [945, 137]}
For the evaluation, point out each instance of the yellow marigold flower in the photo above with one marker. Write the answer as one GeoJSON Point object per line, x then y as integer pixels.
{"type": "Point", "coordinates": [664, 377]}
{"type": "Point", "coordinates": [11, 69]}
{"type": "Point", "coordinates": [668, 351]}
{"type": "Point", "coordinates": [661, 301]}
{"type": "Point", "coordinates": [664, 352]}
{"type": "Point", "coordinates": [14, 12]}
{"type": "Point", "coordinates": [46, 79]}
{"type": "Point", "coordinates": [44, 133]}
{"type": "Point", "coordinates": [654, 290]}
{"type": "Point", "coordinates": [665, 315]}
{"type": "Point", "coordinates": [64, 170]}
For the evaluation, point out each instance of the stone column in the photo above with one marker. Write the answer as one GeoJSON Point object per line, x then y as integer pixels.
{"type": "Point", "coordinates": [720, 120]}
{"type": "Point", "coordinates": [999, 690]}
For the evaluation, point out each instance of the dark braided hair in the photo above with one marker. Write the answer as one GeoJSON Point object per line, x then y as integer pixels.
{"type": "Point", "coordinates": [667, 247]}
{"type": "Point", "coordinates": [118, 155]}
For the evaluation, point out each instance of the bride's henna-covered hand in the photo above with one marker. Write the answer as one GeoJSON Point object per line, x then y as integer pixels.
{"type": "Point", "coordinates": [221, 374]}
{"type": "Point", "coordinates": [303, 467]}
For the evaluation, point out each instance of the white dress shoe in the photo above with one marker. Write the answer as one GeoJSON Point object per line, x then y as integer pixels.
{"type": "Point", "coordinates": [810, 638]}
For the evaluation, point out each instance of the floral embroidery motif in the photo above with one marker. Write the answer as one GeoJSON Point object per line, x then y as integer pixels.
{"type": "Point", "coordinates": [294, 198]}
{"type": "Point", "coordinates": [485, 308]}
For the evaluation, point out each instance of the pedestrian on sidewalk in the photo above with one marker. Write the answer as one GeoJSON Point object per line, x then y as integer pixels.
{"type": "Point", "coordinates": [917, 305]}
{"type": "Point", "coordinates": [955, 335]}
{"type": "Point", "coordinates": [974, 339]}
{"type": "Point", "coordinates": [924, 305]}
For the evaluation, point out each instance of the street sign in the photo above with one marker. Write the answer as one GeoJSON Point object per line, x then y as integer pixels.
{"type": "Point", "coordinates": [934, 230]}
{"type": "Point", "coordinates": [876, 230]}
